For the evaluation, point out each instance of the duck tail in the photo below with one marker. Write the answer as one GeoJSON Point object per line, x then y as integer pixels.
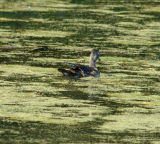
{"type": "Point", "coordinates": [64, 72]}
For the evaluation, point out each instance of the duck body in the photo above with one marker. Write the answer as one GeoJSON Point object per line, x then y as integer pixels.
{"type": "Point", "coordinates": [78, 71]}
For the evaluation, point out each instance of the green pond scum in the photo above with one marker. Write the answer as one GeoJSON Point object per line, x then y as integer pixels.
{"type": "Point", "coordinates": [40, 106]}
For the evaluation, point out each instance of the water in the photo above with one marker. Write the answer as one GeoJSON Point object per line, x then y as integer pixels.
{"type": "Point", "coordinates": [38, 105]}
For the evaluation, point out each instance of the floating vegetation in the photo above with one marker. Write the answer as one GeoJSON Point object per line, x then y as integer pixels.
{"type": "Point", "coordinates": [38, 105]}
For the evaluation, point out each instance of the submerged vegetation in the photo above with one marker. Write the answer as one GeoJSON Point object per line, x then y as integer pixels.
{"type": "Point", "coordinates": [38, 105]}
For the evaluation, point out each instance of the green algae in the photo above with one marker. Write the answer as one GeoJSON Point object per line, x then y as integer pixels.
{"type": "Point", "coordinates": [38, 105]}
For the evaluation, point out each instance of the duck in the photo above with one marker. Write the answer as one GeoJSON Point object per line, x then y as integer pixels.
{"type": "Point", "coordinates": [79, 71]}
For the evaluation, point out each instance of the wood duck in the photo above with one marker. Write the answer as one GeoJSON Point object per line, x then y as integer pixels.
{"type": "Point", "coordinates": [78, 71]}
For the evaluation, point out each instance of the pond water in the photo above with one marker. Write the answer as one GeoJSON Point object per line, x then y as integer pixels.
{"type": "Point", "coordinates": [39, 105]}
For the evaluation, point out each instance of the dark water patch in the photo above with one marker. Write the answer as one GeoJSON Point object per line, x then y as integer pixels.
{"type": "Point", "coordinates": [140, 100]}
{"type": "Point", "coordinates": [14, 104]}
{"type": "Point", "coordinates": [148, 2]}
{"type": "Point", "coordinates": [20, 14]}
{"type": "Point", "coordinates": [117, 105]}
{"type": "Point", "coordinates": [47, 94]}
{"type": "Point", "coordinates": [57, 53]}
{"type": "Point", "coordinates": [1, 72]}
{"type": "Point", "coordinates": [14, 25]}
{"type": "Point", "coordinates": [9, 60]}
{"type": "Point", "coordinates": [21, 26]}
{"type": "Point", "coordinates": [123, 50]}
{"type": "Point", "coordinates": [43, 48]}
{"type": "Point", "coordinates": [70, 84]}
{"type": "Point", "coordinates": [121, 71]}
{"type": "Point", "coordinates": [21, 78]}
{"type": "Point", "coordinates": [14, 59]}
{"type": "Point", "coordinates": [136, 74]}
{"type": "Point", "coordinates": [14, 0]}
{"type": "Point", "coordinates": [42, 64]}
{"type": "Point", "coordinates": [84, 1]}
{"type": "Point", "coordinates": [51, 15]}
{"type": "Point", "coordinates": [129, 136]}
{"type": "Point", "coordinates": [25, 91]}
{"type": "Point", "coordinates": [149, 112]}
{"type": "Point", "coordinates": [155, 46]}
{"type": "Point", "coordinates": [155, 14]}
{"type": "Point", "coordinates": [119, 9]}
{"type": "Point", "coordinates": [18, 131]}
{"type": "Point", "coordinates": [155, 79]}
{"type": "Point", "coordinates": [9, 48]}
{"type": "Point", "coordinates": [75, 94]}
{"type": "Point", "coordinates": [65, 105]}
{"type": "Point", "coordinates": [150, 91]}
{"type": "Point", "coordinates": [5, 59]}
{"type": "Point", "coordinates": [60, 84]}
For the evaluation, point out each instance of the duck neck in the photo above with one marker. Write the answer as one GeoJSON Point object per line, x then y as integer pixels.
{"type": "Point", "coordinates": [92, 62]}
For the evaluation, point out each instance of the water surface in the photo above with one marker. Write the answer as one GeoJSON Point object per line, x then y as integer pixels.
{"type": "Point", "coordinates": [38, 105]}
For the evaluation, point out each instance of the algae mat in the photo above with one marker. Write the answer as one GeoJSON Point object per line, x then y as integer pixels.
{"type": "Point", "coordinates": [38, 105]}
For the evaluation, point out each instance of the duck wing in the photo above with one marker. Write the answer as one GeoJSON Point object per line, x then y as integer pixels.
{"type": "Point", "coordinates": [82, 70]}
{"type": "Point", "coordinates": [76, 71]}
